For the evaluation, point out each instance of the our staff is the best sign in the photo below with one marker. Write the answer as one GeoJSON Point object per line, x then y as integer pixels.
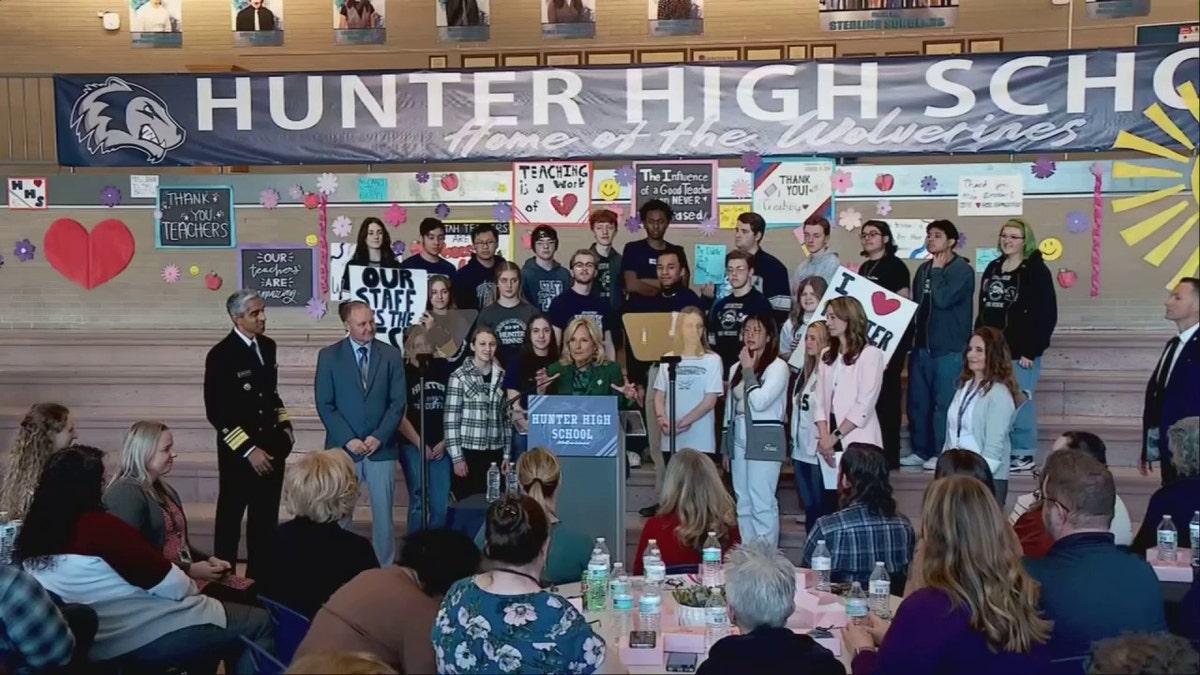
{"type": "Point", "coordinates": [398, 297]}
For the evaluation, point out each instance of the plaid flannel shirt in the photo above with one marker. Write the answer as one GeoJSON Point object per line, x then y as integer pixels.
{"type": "Point", "coordinates": [857, 538]}
{"type": "Point", "coordinates": [475, 413]}
{"type": "Point", "coordinates": [34, 636]}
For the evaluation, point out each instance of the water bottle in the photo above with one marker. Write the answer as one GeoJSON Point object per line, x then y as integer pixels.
{"type": "Point", "coordinates": [716, 619]}
{"type": "Point", "coordinates": [622, 601]}
{"type": "Point", "coordinates": [649, 607]}
{"type": "Point", "coordinates": [605, 554]}
{"type": "Point", "coordinates": [1194, 533]}
{"type": "Point", "coordinates": [653, 568]}
{"type": "Point", "coordinates": [597, 582]}
{"type": "Point", "coordinates": [710, 567]}
{"type": "Point", "coordinates": [1168, 537]}
{"type": "Point", "coordinates": [822, 564]}
{"type": "Point", "coordinates": [493, 483]}
{"type": "Point", "coordinates": [856, 605]}
{"type": "Point", "coordinates": [880, 589]}
{"type": "Point", "coordinates": [512, 486]}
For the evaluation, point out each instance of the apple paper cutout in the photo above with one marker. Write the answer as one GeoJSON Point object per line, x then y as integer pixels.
{"type": "Point", "coordinates": [89, 259]}
{"type": "Point", "coordinates": [213, 281]}
{"type": "Point", "coordinates": [1067, 278]}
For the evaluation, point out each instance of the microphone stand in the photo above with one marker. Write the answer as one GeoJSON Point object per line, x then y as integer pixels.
{"type": "Point", "coordinates": [671, 362]}
{"type": "Point", "coordinates": [422, 367]}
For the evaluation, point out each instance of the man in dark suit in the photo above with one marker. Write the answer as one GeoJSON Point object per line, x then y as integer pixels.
{"type": "Point", "coordinates": [254, 17]}
{"type": "Point", "coordinates": [1173, 391]}
{"type": "Point", "coordinates": [360, 398]}
{"type": "Point", "coordinates": [254, 435]}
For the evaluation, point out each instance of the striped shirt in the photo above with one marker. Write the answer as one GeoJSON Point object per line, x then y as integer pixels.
{"type": "Point", "coordinates": [34, 636]}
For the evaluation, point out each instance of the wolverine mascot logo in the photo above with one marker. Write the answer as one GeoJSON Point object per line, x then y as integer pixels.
{"type": "Point", "coordinates": [119, 115]}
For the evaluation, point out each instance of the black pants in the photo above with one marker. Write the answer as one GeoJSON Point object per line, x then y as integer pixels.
{"type": "Point", "coordinates": [244, 492]}
{"type": "Point", "coordinates": [1168, 471]}
{"type": "Point", "coordinates": [887, 409]}
{"type": "Point", "coordinates": [478, 463]}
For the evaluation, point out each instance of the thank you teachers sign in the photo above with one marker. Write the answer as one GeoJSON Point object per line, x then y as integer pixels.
{"type": "Point", "coordinates": [888, 314]}
{"type": "Point", "coordinates": [398, 297]}
{"type": "Point", "coordinates": [574, 426]}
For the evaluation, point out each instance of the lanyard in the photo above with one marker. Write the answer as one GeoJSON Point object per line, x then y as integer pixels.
{"type": "Point", "coordinates": [972, 392]}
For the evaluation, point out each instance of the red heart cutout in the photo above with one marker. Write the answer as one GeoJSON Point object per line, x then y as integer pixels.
{"type": "Point", "coordinates": [565, 204]}
{"type": "Point", "coordinates": [884, 182]}
{"type": "Point", "coordinates": [89, 259]}
{"type": "Point", "coordinates": [37, 182]}
{"type": "Point", "coordinates": [882, 304]}
{"type": "Point", "coordinates": [449, 182]}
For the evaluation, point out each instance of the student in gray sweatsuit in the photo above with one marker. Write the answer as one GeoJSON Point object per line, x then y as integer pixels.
{"type": "Point", "coordinates": [943, 289]}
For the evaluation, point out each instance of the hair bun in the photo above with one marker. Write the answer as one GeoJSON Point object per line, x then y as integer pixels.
{"type": "Point", "coordinates": [508, 513]}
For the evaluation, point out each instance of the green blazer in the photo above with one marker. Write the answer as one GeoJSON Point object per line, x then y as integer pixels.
{"type": "Point", "coordinates": [599, 381]}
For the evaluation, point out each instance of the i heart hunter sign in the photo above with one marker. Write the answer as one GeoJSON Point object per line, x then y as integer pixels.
{"type": "Point", "coordinates": [552, 193]}
{"type": "Point", "coordinates": [888, 314]}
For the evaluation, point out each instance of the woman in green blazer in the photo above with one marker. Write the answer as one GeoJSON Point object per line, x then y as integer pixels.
{"type": "Point", "coordinates": [584, 370]}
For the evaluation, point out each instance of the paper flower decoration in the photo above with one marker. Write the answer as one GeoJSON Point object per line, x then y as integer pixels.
{"type": "Point", "coordinates": [395, 215]}
{"type": "Point", "coordinates": [157, 215]}
{"type": "Point", "coordinates": [883, 207]}
{"type": "Point", "coordinates": [751, 161]}
{"type": "Point", "coordinates": [625, 175]}
{"type": "Point", "coordinates": [422, 177]}
{"type": "Point", "coordinates": [929, 184]}
{"type": "Point", "coordinates": [634, 224]}
{"type": "Point", "coordinates": [709, 227]}
{"type": "Point", "coordinates": [442, 210]}
{"type": "Point", "coordinates": [962, 241]}
{"type": "Point", "coordinates": [170, 274]}
{"type": "Point", "coordinates": [24, 250]}
{"type": "Point", "coordinates": [1097, 169]}
{"type": "Point", "coordinates": [1043, 168]}
{"type": "Point", "coordinates": [296, 191]}
{"type": "Point", "coordinates": [398, 248]}
{"type": "Point", "coordinates": [527, 241]}
{"type": "Point", "coordinates": [327, 183]}
{"type": "Point", "coordinates": [741, 189]}
{"type": "Point", "coordinates": [1077, 222]}
{"type": "Point", "coordinates": [342, 226]}
{"type": "Point", "coordinates": [502, 211]}
{"type": "Point", "coordinates": [850, 219]}
{"type": "Point", "coordinates": [194, 270]}
{"type": "Point", "coordinates": [315, 308]}
{"type": "Point", "coordinates": [269, 198]}
{"type": "Point", "coordinates": [842, 181]}
{"type": "Point", "coordinates": [311, 201]}
{"type": "Point", "coordinates": [1, 261]}
{"type": "Point", "coordinates": [110, 196]}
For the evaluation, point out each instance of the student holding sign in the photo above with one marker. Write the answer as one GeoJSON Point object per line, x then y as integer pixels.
{"type": "Point", "coordinates": [372, 248]}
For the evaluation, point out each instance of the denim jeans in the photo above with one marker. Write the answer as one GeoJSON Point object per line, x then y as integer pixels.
{"type": "Point", "coordinates": [932, 381]}
{"type": "Point", "coordinates": [1025, 431]}
{"type": "Point", "coordinates": [811, 488]}
{"type": "Point", "coordinates": [439, 487]}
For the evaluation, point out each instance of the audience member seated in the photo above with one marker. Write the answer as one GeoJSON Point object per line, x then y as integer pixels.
{"type": "Point", "coordinates": [868, 528]}
{"type": "Point", "coordinates": [150, 613]}
{"type": "Point", "coordinates": [312, 556]}
{"type": "Point", "coordinates": [45, 429]}
{"type": "Point", "coordinates": [502, 620]}
{"type": "Point", "coordinates": [1030, 528]}
{"type": "Point", "coordinates": [388, 613]}
{"type": "Point", "coordinates": [1144, 655]}
{"type": "Point", "coordinates": [540, 477]}
{"type": "Point", "coordinates": [342, 663]}
{"type": "Point", "coordinates": [139, 495]}
{"type": "Point", "coordinates": [1091, 444]}
{"type": "Point", "coordinates": [964, 463]}
{"type": "Point", "coordinates": [1077, 507]}
{"type": "Point", "coordinates": [760, 587]}
{"type": "Point", "coordinates": [975, 607]}
{"type": "Point", "coordinates": [34, 635]}
{"type": "Point", "coordinates": [694, 502]}
{"type": "Point", "coordinates": [1180, 499]}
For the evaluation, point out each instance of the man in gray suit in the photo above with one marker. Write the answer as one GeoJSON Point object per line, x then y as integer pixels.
{"type": "Point", "coordinates": [360, 394]}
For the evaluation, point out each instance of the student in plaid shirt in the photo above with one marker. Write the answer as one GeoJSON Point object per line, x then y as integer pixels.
{"type": "Point", "coordinates": [867, 529]}
{"type": "Point", "coordinates": [34, 636]}
{"type": "Point", "coordinates": [477, 427]}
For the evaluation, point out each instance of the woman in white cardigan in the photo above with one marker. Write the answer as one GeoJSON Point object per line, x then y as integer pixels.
{"type": "Point", "coordinates": [983, 408]}
{"type": "Point", "coordinates": [755, 448]}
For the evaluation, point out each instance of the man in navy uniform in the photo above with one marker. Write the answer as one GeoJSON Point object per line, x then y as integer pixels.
{"type": "Point", "coordinates": [254, 436]}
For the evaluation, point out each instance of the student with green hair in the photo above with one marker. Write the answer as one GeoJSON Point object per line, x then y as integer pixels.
{"type": "Point", "coordinates": [1016, 296]}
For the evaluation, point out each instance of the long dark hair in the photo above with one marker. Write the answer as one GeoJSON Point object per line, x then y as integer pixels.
{"type": "Point", "coordinates": [998, 367]}
{"type": "Point", "coordinates": [890, 248]}
{"type": "Point", "coordinates": [527, 355]}
{"type": "Point", "coordinates": [851, 311]}
{"type": "Point", "coordinates": [866, 469]}
{"type": "Point", "coordinates": [770, 350]}
{"type": "Point", "coordinates": [965, 463]}
{"type": "Point", "coordinates": [71, 484]}
{"type": "Point", "coordinates": [362, 255]}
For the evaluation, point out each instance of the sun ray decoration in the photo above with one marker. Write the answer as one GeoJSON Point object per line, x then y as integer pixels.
{"type": "Point", "coordinates": [1170, 208]}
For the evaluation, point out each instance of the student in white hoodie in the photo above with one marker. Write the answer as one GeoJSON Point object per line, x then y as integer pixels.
{"type": "Point", "coordinates": [807, 472]}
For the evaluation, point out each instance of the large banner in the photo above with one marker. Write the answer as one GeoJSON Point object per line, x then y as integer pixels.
{"type": "Point", "coordinates": [965, 103]}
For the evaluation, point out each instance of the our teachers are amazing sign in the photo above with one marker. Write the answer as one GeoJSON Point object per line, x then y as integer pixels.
{"type": "Point", "coordinates": [965, 103]}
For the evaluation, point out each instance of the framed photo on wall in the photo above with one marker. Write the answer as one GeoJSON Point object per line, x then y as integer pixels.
{"type": "Point", "coordinates": [156, 23]}
{"type": "Point", "coordinates": [359, 22]}
{"type": "Point", "coordinates": [257, 23]}
{"type": "Point", "coordinates": [464, 20]}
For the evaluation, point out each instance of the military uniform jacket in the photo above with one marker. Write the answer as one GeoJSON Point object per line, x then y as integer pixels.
{"type": "Point", "coordinates": [241, 397]}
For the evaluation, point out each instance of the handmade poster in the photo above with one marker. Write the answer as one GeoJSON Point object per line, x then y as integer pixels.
{"type": "Point", "coordinates": [373, 189]}
{"type": "Point", "coordinates": [568, 19]}
{"type": "Point", "coordinates": [398, 297]}
{"type": "Point", "coordinates": [574, 426]}
{"type": "Point", "coordinates": [888, 314]}
{"type": "Point", "coordinates": [459, 247]}
{"type": "Point", "coordinates": [984, 257]}
{"type": "Point", "coordinates": [156, 23]}
{"type": "Point", "coordinates": [728, 214]}
{"type": "Point", "coordinates": [27, 194]}
{"type": "Point", "coordinates": [790, 191]}
{"type": "Point", "coordinates": [143, 187]}
{"type": "Point", "coordinates": [676, 17]}
{"type": "Point", "coordinates": [991, 195]}
{"type": "Point", "coordinates": [340, 253]}
{"type": "Point", "coordinates": [283, 275]}
{"type": "Point", "coordinates": [257, 23]}
{"type": "Point", "coordinates": [886, 15]}
{"type": "Point", "coordinates": [909, 236]}
{"type": "Point", "coordinates": [690, 187]}
{"type": "Point", "coordinates": [710, 264]}
{"type": "Point", "coordinates": [359, 22]}
{"type": "Point", "coordinates": [464, 20]}
{"type": "Point", "coordinates": [552, 193]}
{"type": "Point", "coordinates": [195, 216]}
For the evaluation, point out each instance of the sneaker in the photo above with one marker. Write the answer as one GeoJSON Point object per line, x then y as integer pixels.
{"type": "Point", "coordinates": [633, 458]}
{"type": "Point", "coordinates": [649, 511]}
{"type": "Point", "coordinates": [912, 460]}
{"type": "Point", "coordinates": [930, 464]}
{"type": "Point", "coordinates": [1020, 464]}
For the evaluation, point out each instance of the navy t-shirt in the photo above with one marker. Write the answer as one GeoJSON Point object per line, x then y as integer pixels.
{"type": "Point", "coordinates": [570, 304]}
{"type": "Point", "coordinates": [726, 319]}
{"type": "Point", "coordinates": [642, 260]}
{"type": "Point", "coordinates": [441, 266]}
{"type": "Point", "coordinates": [436, 377]}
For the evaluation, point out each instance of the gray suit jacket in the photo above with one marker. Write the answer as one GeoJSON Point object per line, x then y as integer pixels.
{"type": "Point", "coordinates": [134, 503]}
{"type": "Point", "coordinates": [348, 410]}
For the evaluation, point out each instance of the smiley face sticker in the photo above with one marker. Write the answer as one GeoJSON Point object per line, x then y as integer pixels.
{"type": "Point", "coordinates": [610, 189]}
{"type": "Point", "coordinates": [311, 240]}
{"type": "Point", "coordinates": [1051, 248]}
{"type": "Point", "coordinates": [194, 270]}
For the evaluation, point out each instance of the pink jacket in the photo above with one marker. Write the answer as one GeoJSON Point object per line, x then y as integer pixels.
{"type": "Point", "coordinates": [855, 396]}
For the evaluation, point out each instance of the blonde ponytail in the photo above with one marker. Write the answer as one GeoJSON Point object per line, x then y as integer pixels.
{"type": "Point", "coordinates": [539, 474]}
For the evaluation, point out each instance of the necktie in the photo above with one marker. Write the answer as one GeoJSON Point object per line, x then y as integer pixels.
{"type": "Point", "coordinates": [1164, 368]}
{"type": "Point", "coordinates": [258, 352]}
{"type": "Point", "coordinates": [362, 365]}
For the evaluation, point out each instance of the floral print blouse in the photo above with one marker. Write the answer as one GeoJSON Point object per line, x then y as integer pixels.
{"type": "Point", "coordinates": [480, 632]}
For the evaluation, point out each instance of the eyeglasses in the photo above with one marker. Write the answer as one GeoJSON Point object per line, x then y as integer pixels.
{"type": "Point", "coordinates": [869, 235]}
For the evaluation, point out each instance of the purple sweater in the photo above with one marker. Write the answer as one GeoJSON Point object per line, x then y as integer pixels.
{"type": "Point", "coordinates": [930, 635]}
